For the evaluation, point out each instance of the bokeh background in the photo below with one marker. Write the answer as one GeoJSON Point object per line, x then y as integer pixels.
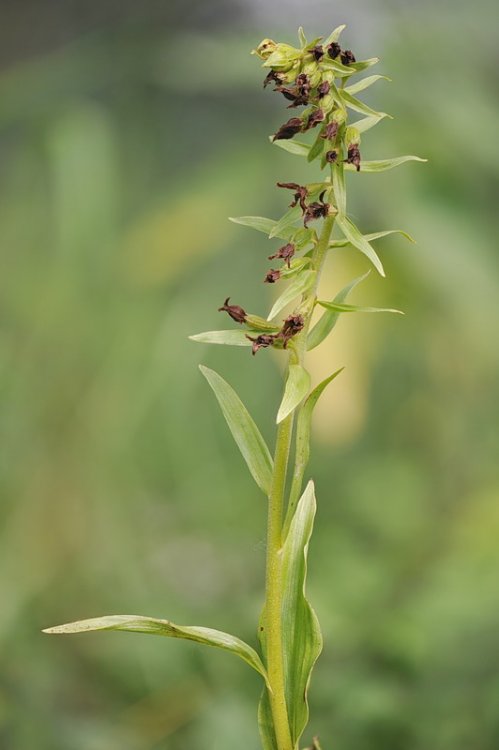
{"type": "Point", "coordinates": [128, 133]}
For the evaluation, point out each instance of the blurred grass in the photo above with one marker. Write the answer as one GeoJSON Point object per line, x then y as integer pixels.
{"type": "Point", "coordinates": [121, 488]}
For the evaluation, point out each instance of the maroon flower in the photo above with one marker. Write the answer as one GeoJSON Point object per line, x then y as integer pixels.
{"type": "Point", "coordinates": [294, 95]}
{"type": "Point", "coordinates": [236, 313]}
{"type": "Point", "coordinates": [331, 157]}
{"type": "Point", "coordinates": [273, 77]}
{"type": "Point", "coordinates": [315, 118]}
{"type": "Point", "coordinates": [272, 276]}
{"type": "Point", "coordinates": [333, 50]}
{"type": "Point", "coordinates": [331, 131]}
{"type": "Point", "coordinates": [353, 156]}
{"type": "Point", "coordinates": [292, 325]}
{"type": "Point", "coordinates": [285, 252]}
{"type": "Point", "coordinates": [316, 210]}
{"type": "Point", "coordinates": [347, 57]}
{"type": "Point", "coordinates": [301, 193]}
{"type": "Point", "coordinates": [303, 83]}
{"type": "Point", "coordinates": [262, 341]}
{"type": "Point", "coordinates": [323, 89]}
{"type": "Point", "coordinates": [289, 129]}
{"type": "Point", "coordinates": [318, 52]}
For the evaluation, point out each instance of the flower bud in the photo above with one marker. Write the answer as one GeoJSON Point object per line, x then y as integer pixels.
{"type": "Point", "coordinates": [265, 48]}
{"type": "Point", "coordinates": [283, 58]}
{"type": "Point", "coordinates": [352, 135]}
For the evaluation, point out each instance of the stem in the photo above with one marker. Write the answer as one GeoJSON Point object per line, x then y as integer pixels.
{"type": "Point", "coordinates": [273, 593]}
{"type": "Point", "coordinates": [302, 451]}
{"type": "Point", "coordinates": [274, 588]}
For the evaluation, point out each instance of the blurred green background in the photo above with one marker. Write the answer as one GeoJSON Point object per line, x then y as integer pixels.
{"type": "Point", "coordinates": [128, 133]}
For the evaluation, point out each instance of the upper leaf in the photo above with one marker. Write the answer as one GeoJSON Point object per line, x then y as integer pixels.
{"type": "Point", "coordinates": [300, 285]}
{"type": "Point", "coordinates": [244, 431]}
{"type": "Point", "coordinates": [356, 238]}
{"type": "Point", "coordinates": [373, 236]}
{"type": "Point", "coordinates": [334, 35]}
{"type": "Point", "coordinates": [153, 626]}
{"type": "Point", "coordinates": [343, 308]}
{"type": "Point", "coordinates": [233, 337]}
{"type": "Point", "coordinates": [327, 322]}
{"type": "Point", "coordinates": [297, 387]}
{"type": "Point", "coordinates": [260, 223]}
{"type": "Point", "coordinates": [381, 165]}
{"type": "Point", "coordinates": [364, 83]}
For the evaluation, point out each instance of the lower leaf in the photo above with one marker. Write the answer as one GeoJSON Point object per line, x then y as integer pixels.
{"type": "Point", "coordinates": [154, 626]}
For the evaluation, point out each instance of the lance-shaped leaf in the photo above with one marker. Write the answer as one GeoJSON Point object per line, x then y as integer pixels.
{"type": "Point", "coordinates": [317, 147]}
{"type": "Point", "coordinates": [260, 223]}
{"type": "Point", "coordinates": [229, 338]}
{"type": "Point", "coordinates": [302, 38]}
{"type": "Point", "coordinates": [286, 221]}
{"type": "Point", "coordinates": [373, 236]}
{"type": "Point", "coordinates": [266, 723]}
{"type": "Point", "coordinates": [340, 192]}
{"type": "Point", "coordinates": [334, 35]}
{"type": "Point", "coordinates": [364, 83]}
{"type": "Point", "coordinates": [369, 122]}
{"type": "Point", "coordinates": [328, 320]}
{"type": "Point", "coordinates": [358, 67]}
{"type": "Point", "coordinates": [356, 238]}
{"type": "Point", "coordinates": [293, 147]}
{"type": "Point", "coordinates": [153, 626]}
{"type": "Point", "coordinates": [345, 71]}
{"type": "Point", "coordinates": [358, 106]}
{"type": "Point", "coordinates": [297, 387]}
{"type": "Point", "coordinates": [302, 284]}
{"type": "Point", "coordinates": [302, 640]}
{"type": "Point", "coordinates": [382, 165]}
{"type": "Point", "coordinates": [244, 431]}
{"type": "Point", "coordinates": [344, 308]}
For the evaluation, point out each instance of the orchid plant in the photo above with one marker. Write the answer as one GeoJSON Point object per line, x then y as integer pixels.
{"type": "Point", "coordinates": [316, 75]}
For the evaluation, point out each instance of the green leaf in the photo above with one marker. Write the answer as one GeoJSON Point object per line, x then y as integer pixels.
{"type": "Point", "coordinates": [327, 322]}
{"type": "Point", "coordinates": [373, 236]}
{"type": "Point", "coordinates": [229, 338]}
{"type": "Point", "coordinates": [153, 626]}
{"type": "Point", "coordinates": [302, 640]}
{"type": "Point", "coordinates": [304, 422]}
{"type": "Point", "coordinates": [266, 723]}
{"type": "Point", "coordinates": [381, 165]}
{"type": "Point", "coordinates": [293, 147]}
{"type": "Point", "coordinates": [340, 70]}
{"type": "Point", "coordinates": [334, 35]}
{"type": "Point", "coordinates": [364, 83]}
{"type": "Point", "coordinates": [297, 387]}
{"type": "Point", "coordinates": [369, 122]}
{"type": "Point", "coordinates": [358, 67]}
{"type": "Point", "coordinates": [302, 284]}
{"type": "Point", "coordinates": [243, 429]}
{"type": "Point", "coordinates": [302, 38]}
{"type": "Point", "coordinates": [286, 221]}
{"type": "Point", "coordinates": [356, 238]}
{"type": "Point", "coordinates": [343, 308]}
{"type": "Point", "coordinates": [339, 187]}
{"type": "Point", "coordinates": [358, 106]}
{"type": "Point", "coordinates": [260, 223]}
{"type": "Point", "coordinates": [316, 148]}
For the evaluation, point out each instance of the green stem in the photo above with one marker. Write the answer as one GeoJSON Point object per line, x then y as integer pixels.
{"type": "Point", "coordinates": [274, 584]}
{"type": "Point", "coordinates": [302, 451]}
{"type": "Point", "coordinates": [273, 594]}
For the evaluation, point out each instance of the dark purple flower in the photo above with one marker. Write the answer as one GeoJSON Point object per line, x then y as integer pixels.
{"type": "Point", "coordinates": [331, 131]}
{"type": "Point", "coordinates": [331, 157]}
{"type": "Point", "coordinates": [292, 325]}
{"type": "Point", "coordinates": [315, 118]}
{"type": "Point", "coordinates": [273, 77]}
{"type": "Point", "coordinates": [301, 193]}
{"type": "Point", "coordinates": [333, 50]}
{"type": "Point", "coordinates": [347, 57]}
{"type": "Point", "coordinates": [323, 89]}
{"type": "Point", "coordinates": [289, 129]}
{"type": "Point", "coordinates": [318, 52]}
{"type": "Point", "coordinates": [316, 210]}
{"type": "Point", "coordinates": [272, 276]}
{"type": "Point", "coordinates": [285, 252]}
{"type": "Point", "coordinates": [353, 156]}
{"type": "Point", "coordinates": [303, 84]}
{"type": "Point", "coordinates": [262, 341]}
{"type": "Point", "coordinates": [236, 313]}
{"type": "Point", "coordinates": [294, 95]}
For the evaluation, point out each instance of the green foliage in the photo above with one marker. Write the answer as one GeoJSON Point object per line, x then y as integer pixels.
{"type": "Point", "coordinates": [153, 626]}
{"type": "Point", "coordinates": [243, 429]}
{"type": "Point", "coordinates": [297, 387]}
